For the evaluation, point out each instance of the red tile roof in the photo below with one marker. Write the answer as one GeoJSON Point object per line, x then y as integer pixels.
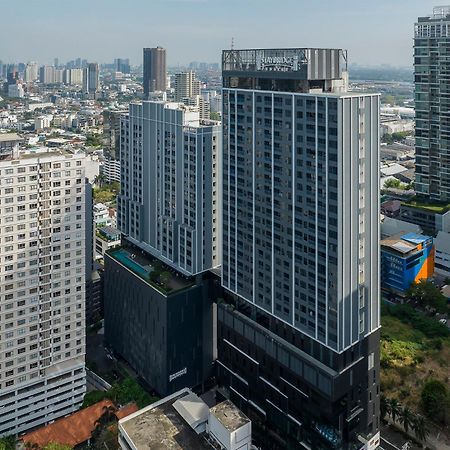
{"type": "Point", "coordinates": [126, 410]}
{"type": "Point", "coordinates": [76, 428]}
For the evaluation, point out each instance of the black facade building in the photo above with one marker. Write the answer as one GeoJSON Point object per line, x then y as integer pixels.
{"type": "Point", "coordinates": [155, 70]}
{"type": "Point", "coordinates": [163, 329]}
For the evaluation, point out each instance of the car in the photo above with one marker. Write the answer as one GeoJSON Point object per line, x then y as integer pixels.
{"type": "Point", "coordinates": [443, 321]}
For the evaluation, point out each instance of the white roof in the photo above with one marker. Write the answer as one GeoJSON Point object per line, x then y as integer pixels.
{"type": "Point", "coordinates": [192, 409]}
{"type": "Point", "coordinates": [392, 169]}
{"type": "Point", "coordinates": [403, 247]}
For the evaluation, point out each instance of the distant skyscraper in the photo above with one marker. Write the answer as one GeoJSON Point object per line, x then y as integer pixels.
{"type": "Point", "coordinates": [42, 285]}
{"type": "Point", "coordinates": [91, 80]}
{"type": "Point", "coordinates": [155, 70]}
{"type": "Point", "coordinates": [186, 85]}
{"type": "Point", "coordinates": [73, 76]}
{"type": "Point", "coordinates": [47, 74]}
{"type": "Point", "coordinates": [31, 72]}
{"type": "Point", "coordinates": [174, 215]}
{"type": "Point", "coordinates": [432, 86]}
{"type": "Point", "coordinates": [122, 65]}
{"type": "Point", "coordinates": [298, 332]}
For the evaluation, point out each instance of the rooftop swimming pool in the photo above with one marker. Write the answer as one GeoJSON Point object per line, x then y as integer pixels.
{"type": "Point", "coordinates": [125, 258]}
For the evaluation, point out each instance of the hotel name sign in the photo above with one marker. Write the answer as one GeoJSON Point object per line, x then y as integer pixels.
{"type": "Point", "coordinates": [287, 62]}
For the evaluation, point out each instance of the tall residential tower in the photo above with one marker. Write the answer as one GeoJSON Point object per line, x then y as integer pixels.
{"type": "Point", "coordinates": [432, 98]}
{"type": "Point", "coordinates": [298, 332]}
{"type": "Point", "coordinates": [169, 200]}
{"type": "Point", "coordinates": [42, 288]}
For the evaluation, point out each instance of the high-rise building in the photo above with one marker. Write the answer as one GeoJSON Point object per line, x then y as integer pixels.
{"type": "Point", "coordinates": [298, 331]}
{"type": "Point", "coordinates": [111, 139]}
{"type": "Point", "coordinates": [31, 72]}
{"type": "Point", "coordinates": [111, 132]}
{"type": "Point", "coordinates": [73, 77]}
{"type": "Point", "coordinates": [47, 74]}
{"type": "Point", "coordinates": [122, 65]}
{"type": "Point", "coordinates": [155, 70]}
{"type": "Point", "coordinates": [42, 289]}
{"type": "Point", "coordinates": [91, 80]}
{"type": "Point", "coordinates": [432, 102]}
{"type": "Point", "coordinates": [186, 85]}
{"type": "Point", "coordinates": [169, 216]}
{"type": "Point", "coordinates": [174, 215]}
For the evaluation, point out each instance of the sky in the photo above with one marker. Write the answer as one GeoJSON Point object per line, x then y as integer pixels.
{"type": "Point", "coordinates": [374, 32]}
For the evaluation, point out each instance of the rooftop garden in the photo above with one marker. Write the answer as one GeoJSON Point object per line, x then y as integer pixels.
{"type": "Point", "coordinates": [438, 208]}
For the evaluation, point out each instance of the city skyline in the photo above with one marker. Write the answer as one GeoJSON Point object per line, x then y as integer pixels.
{"type": "Point", "coordinates": [145, 25]}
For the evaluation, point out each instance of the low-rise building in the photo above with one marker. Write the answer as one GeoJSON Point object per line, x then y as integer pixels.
{"type": "Point", "coordinates": [101, 215]}
{"type": "Point", "coordinates": [106, 238]}
{"type": "Point", "coordinates": [183, 421]}
{"type": "Point", "coordinates": [9, 144]}
{"type": "Point", "coordinates": [406, 259]}
{"type": "Point", "coordinates": [77, 428]}
{"type": "Point", "coordinates": [430, 217]}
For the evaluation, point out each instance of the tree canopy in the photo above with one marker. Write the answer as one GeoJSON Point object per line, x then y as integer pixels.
{"type": "Point", "coordinates": [435, 400]}
{"type": "Point", "coordinates": [427, 294]}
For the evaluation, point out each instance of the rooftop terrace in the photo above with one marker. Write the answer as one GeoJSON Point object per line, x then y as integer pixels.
{"type": "Point", "coordinates": [151, 270]}
{"type": "Point", "coordinates": [160, 427]}
{"type": "Point", "coordinates": [438, 208]}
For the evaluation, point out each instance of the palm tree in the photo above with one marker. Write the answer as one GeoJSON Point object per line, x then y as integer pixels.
{"type": "Point", "coordinates": [406, 418]}
{"type": "Point", "coordinates": [395, 410]}
{"type": "Point", "coordinates": [420, 428]}
{"type": "Point", "coordinates": [108, 416]}
{"type": "Point", "coordinates": [384, 406]}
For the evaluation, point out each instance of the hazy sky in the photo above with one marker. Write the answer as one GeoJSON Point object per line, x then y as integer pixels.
{"type": "Point", "coordinates": [373, 31]}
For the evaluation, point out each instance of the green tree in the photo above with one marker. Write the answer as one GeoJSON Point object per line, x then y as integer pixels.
{"type": "Point", "coordinates": [392, 183]}
{"type": "Point", "coordinates": [389, 99]}
{"type": "Point", "coordinates": [435, 400]}
{"type": "Point", "coordinates": [94, 140]}
{"type": "Point", "coordinates": [427, 294]}
{"type": "Point", "coordinates": [406, 418]}
{"type": "Point", "coordinates": [215, 116]}
{"type": "Point", "coordinates": [130, 391]}
{"type": "Point", "coordinates": [394, 407]}
{"type": "Point", "coordinates": [107, 418]}
{"type": "Point", "coordinates": [165, 277]}
{"type": "Point", "coordinates": [93, 397]}
{"type": "Point", "coordinates": [420, 427]}
{"type": "Point", "coordinates": [8, 443]}
{"type": "Point", "coordinates": [56, 446]}
{"type": "Point", "coordinates": [384, 406]}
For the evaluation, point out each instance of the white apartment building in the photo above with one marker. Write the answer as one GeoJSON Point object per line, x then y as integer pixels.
{"type": "Point", "coordinates": [31, 72]}
{"type": "Point", "coordinates": [111, 170]}
{"type": "Point", "coordinates": [42, 288]}
{"type": "Point", "coordinates": [186, 85]}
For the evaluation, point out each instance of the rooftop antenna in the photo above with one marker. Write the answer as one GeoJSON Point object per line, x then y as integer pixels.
{"type": "Point", "coordinates": [232, 43]}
